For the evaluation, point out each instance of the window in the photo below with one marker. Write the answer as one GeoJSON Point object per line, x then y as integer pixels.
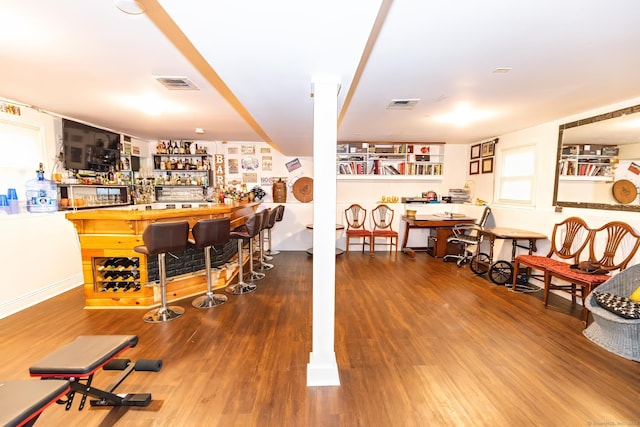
{"type": "Point", "coordinates": [22, 152]}
{"type": "Point", "coordinates": [515, 184]}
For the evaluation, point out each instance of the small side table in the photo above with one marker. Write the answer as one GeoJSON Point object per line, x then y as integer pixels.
{"type": "Point", "coordinates": [339, 227]}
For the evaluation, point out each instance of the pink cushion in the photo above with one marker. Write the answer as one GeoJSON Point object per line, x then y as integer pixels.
{"type": "Point", "coordinates": [575, 275]}
{"type": "Point", "coordinates": [388, 233]}
{"type": "Point", "coordinates": [358, 233]}
{"type": "Point", "coordinates": [540, 262]}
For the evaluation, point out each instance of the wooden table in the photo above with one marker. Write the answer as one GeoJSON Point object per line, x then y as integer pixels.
{"type": "Point", "coordinates": [339, 227]}
{"type": "Point", "coordinates": [501, 271]}
{"type": "Point", "coordinates": [440, 229]}
{"type": "Point", "coordinates": [513, 234]}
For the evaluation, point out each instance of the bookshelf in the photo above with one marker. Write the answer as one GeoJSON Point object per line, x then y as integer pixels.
{"type": "Point", "coordinates": [587, 162]}
{"type": "Point", "coordinates": [369, 160]}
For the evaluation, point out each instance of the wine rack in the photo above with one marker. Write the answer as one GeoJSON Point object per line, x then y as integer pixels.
{"type": "Point", "coordinates": [116, 274]}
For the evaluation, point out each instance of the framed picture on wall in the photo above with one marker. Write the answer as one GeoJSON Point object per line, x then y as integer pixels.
{"type": "Point", "coordinates": [487, 165]}
{"type": "Point", "coordinates": [475, 151]}
{"type": "Point", "coordinates": [474, 167]}
{"type": "Point", "coordinates": [489, 148]}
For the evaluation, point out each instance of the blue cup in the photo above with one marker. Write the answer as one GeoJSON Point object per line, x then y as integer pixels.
{"type": "Point", "coordinates": [12, 194]}
{"type": "Point", "coordinates": [3, 200]}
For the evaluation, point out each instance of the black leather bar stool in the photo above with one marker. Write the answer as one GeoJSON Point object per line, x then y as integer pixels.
{"type": "Point", "coordinates": [253, 274]}
{"type": "Point", "coordinates": [247, 231]}
{"type": "Point", "coordinates": [268, 220]}
{"type": "Point", "coordinates": [160, 238]}
{"type": "Point", "coordinates": [279, 215]}
{"type": "Point", "coordinates": [207, 233]}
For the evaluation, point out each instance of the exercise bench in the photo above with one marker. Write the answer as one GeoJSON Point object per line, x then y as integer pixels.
{"type": "Point", "coordinates": [22, 401]}
{"type": "Point", "coordinates": [79, 360]}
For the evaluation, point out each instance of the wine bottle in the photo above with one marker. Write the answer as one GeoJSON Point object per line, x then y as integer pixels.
{"type": "Point", "coordinates": [108, 286]}
{"type": "Point", "coordinates": [105, 264]}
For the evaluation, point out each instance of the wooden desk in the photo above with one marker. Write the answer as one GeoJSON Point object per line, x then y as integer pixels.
{"type": "Point", "coordinates": [440, 229]}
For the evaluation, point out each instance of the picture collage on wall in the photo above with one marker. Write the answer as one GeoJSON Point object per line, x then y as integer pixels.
{"type": "Point", "coordinates": [257, 165]}
{"type": "Point", "coordinates": [482, 157]}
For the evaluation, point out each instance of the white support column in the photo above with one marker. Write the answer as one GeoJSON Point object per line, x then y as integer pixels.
{"type": "Point", "coordinates": [322, 369]}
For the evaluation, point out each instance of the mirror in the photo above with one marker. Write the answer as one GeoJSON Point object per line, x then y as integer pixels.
{"type": "Point", "coordinates": [599, 162]}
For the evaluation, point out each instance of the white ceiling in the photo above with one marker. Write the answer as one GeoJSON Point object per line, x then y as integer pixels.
{"type": "Point", "coordinates": [253, 61]}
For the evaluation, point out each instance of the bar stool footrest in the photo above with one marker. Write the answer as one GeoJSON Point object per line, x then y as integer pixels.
{"type": "Point", "coordinates": [241, 288]}
{"type": "Point", "coordinates": [163, 314]}
{"type": "Point", "coordinates": [209, 300]}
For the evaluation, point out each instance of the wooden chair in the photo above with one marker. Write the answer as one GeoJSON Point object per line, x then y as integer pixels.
{"type": "Point", "coordinates": [355, 216]}
{"type": "Point", "coordinates": [382, 216]}
{"type": "Point", "coordinates": [611, 247]}
{"type": "Point", "coordinates": [568, 240]}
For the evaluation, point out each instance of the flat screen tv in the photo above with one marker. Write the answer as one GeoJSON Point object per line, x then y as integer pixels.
{"type": "Point", "coordinates": [89, 148]}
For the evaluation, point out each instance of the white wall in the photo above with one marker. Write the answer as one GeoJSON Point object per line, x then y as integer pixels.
{"type": "Point", "coordinates": [41, 256]}
{"type": "Point", "coordinates": [40, 253]}
{"type": "Point", "coordinates": [542, 217]}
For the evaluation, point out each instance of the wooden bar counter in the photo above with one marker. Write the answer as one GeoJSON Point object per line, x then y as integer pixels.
{"type": "Point", "coordinates": [115, 276]}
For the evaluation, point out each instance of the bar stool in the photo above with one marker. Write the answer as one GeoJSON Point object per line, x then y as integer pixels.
{"type": "Point", "coordinates": [279, 215]}
{"type": "Point", "coordinates": [253, 274]}
{"type": "Point", "coordinates": [160, 238]}
{"type": "Point", "coordinates": [248, 231]}
{"type": "Point", "coordinates": [268, 221]}
{"type": "Point", "coordinates": [208, 233]}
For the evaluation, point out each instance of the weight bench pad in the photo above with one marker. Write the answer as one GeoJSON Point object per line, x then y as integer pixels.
{"type": "Point", "coordinates": [22, 400]}
{"type": "Point", "coordinates": [83, 356]}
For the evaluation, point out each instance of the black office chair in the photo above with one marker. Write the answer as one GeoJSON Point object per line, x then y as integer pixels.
{"type": "Point", "coordinates": [465, 235]}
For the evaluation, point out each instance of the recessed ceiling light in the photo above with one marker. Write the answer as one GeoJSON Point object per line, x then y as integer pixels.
{"type": "Point", "coordinates": [463, 115]}
{"type": "Point", "coordinates": [402, 104]}
{"type": "Point", "coordinates": [502, 70]}
{"type": "Point", "coordinates": [199, 130]}
{"type": "Point", "coordinates": [130, 7]}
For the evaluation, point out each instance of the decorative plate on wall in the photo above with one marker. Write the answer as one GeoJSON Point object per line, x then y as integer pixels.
{"type": "Point", "coordinates": [303, 189]}
{"type": "Point", "coordinates": [624, 191]}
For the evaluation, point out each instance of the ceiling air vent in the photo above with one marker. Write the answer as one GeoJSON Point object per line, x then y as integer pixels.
{"type": "Point", "coordinates": [176, 83]}
{"type": "Point", "coordinates": [402, 104]}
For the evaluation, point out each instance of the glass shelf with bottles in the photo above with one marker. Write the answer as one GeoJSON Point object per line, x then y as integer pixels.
{"type": "Point", "coordinates": [171, 147]}
{"type": "Point", "coordinates": [80, 196]}
{"type": "Point", "coordinates": [362, 160]}
{"type": "Point", "coordinates": [182, 162]}
{"type": "Point", "coordinates": [170, 194]}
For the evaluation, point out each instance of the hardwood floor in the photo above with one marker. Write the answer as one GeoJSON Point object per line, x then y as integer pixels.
{"type": "Point", "coordinates": [419, 342]}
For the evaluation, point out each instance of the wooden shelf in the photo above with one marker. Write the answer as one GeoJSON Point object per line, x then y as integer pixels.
{"type": "Point", "coordinates": [369, 160]}
{"type": "Point", "coordinates": [587, 162]}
